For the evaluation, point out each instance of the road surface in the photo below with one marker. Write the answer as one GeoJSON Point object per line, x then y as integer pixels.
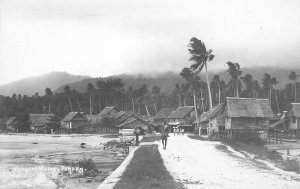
{"type": "Point", "coordinates": [199, 164]}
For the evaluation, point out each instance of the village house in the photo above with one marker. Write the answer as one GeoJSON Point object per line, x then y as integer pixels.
{"type": "Point", "coordinates": [44, 123]}
{"type": "Point", "coordinates": [131, 120]}
{"type": "Point", "coordinates": [73, 122]}
{"type": "Point", "coordinates": [238, 114]}
{"type": "Point", "coordinates": [11, 124]}
{"type": "Point", "coordinates": [289, 122]}
{"type": "Point", "coordinates": [108, 111]}
{"type": "Point", "coordinates": [183, 118]}
{"type": "Point", "coordinates": [160, 117]}
{"type": "Point", "coordinates": [211, 119]}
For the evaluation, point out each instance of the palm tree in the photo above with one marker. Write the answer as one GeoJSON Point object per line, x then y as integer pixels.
{"type": "Point", "coordinates": [201, 56]}
{"type": "Point", "coordinates": [194, 81]}
{"type": "Point", "coordinates": [267, 85]}
{"type": "Point", "coordinates": [155, 91]}
{"type": "Point", "coordinates": [248, 81]}
{"type": "Point", "coordinates": [216, 85]}
{"type": "Point", "coordinates": [90, 90]}
{"type": "Point", "coordinates": [275, 82]}
{"type": "Point", "coordinates": [67, 91]}
{"type": "Point", "coordinates": [234, 72]}
{"type": "Point", "coordinates": [293, 77]}
{"type": "Point", "coordinates": [178, 93]}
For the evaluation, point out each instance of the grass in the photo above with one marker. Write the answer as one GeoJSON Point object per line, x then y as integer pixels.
{"type": "Point", "coordinates": [146, 170]}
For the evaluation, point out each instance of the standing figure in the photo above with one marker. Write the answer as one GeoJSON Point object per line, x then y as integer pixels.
{"type": "Point", "coordinates": [164, 135]}
{"type": "Point", "coordinates": [136, 132]}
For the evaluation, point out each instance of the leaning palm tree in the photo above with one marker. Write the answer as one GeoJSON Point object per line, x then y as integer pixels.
{"type": "Point", "coordinates": [201, 56]}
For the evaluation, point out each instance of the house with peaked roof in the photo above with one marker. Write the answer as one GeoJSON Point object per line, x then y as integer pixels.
{"type": "Point", "coordinates": [182, 117]}
{"type": "Point", "coordinates": [211, 120]}
{"type": "Point", "coordinates": [289, 120]}
{"type": "Point", "coordinates": [44, 123]}
{"type": "Point", "coordinates": [73, 122]}
{"type": "Point", "coordinates": [238, 114]}
{"type": "Point", "coordinates": [293, 114]}
{"type": "Point", "coordinates": [108, 111]}
{"type": "Point", "coordinates": [160, 117]}
{"type": "Point", "coordinates": [251, 113]}
{"type": "Point", "coordinates": [130, 120]}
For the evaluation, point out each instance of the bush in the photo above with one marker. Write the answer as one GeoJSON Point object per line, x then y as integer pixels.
{"type": "Point", "coordinates": [88, 166]}
{"type": "Point", "coordinates": [247, 136]}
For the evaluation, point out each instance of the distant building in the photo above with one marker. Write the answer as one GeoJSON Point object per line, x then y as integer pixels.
{"type": "Point", "coordinates": [289, 120]}
{"type": "Point", "coordinates": [160, 117]}
{"type": "Point", "coordinates": [11, 124]}
{"type": "Point", "coordinates": [73, 122]}
{"type": "Point", "coordinates": [44, 123]}
{"type": "Point", "coordinates": [182, 117]}
{"type": "Point", "coordinates": [108, 111]}
{"type": "Point", "coordinates": [130, 120]}
{"type": "Point", "coordinates": [211, 120]}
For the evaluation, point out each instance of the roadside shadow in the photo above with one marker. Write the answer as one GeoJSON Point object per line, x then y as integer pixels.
{"type": "Point", "coordinates": [146, 170]}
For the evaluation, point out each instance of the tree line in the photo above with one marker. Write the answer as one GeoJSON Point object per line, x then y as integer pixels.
{"type": "Point", "coordinates": [204, 95]}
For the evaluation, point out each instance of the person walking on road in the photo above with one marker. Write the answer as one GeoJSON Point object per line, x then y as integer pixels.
{"type": "Point", "coordinates": [136, 132]}
{"type": "Point", "coordinates": [164, 135]}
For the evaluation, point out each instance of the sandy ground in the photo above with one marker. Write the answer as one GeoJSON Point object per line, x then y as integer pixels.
{"type": "Point", "coordinates": [199, 164]}
{"type": "Point", "coordinates": [34, 161]}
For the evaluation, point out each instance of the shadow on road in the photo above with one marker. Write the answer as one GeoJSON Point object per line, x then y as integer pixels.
{"type": "Point", "coordinates": [146, 170]}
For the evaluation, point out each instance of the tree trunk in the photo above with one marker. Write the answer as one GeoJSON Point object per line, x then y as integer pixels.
{"type": "Point", "coordinates": [219, 93]}
{"type": "Point", "coordinates": [99, 104]}
{"type": "Point", "coordinates": [49, 110]}
{"type": "Point", "coordinates": [179, 96]}
{"type": "Point", "coordinates": [277, 101]}
{"type": "Point", "coordinates": [90, 104]}
{"type": "Point", "coordinates": [155, 108]}
{"type": "Point", "coordinates": [270, 96]}
{"type": "Point", "coordinates": [195, 106]}
{"type": "Point", "coordinates": [295, 92]}
{"type": "Point", "coordinates": [202, 104]}
{"type": "Point", "coordinates": [208, 86]}
{"type": "Point", "coordinates": [237, 88]}
{"type": "Point", "coordinates": [132, 104]}
{"type": "Point", "coordinates": [78, 104]}
{"type": "Point", "coordinates": [148, 114]}
{"type": "Point", "coordinates": [70, 104]}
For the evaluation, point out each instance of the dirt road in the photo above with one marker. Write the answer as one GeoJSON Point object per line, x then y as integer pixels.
{"type": "Point", "coordinates": [200, 164]}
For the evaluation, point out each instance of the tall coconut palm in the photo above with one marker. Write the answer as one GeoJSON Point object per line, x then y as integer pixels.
{"type": "Point", "coordinates": [274, 82]}
{"type": "Point", "coordinates": [200, 56]}
{"type": "Point", "coordinates": [234, 72]}
{"type": "Point", "coordinates": [267, 85]}
{"type": "Point", "coordinates": [67, 92]}
{"type": "Point", "coordinates": [293, 77]}
{"type": "Point", "coordinates": [194, 81]}
{"type": "Point", "coordinates": [248, 81]}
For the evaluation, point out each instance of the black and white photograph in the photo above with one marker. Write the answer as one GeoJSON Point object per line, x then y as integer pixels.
{"type": "Point", "coordinates": [149, 94]}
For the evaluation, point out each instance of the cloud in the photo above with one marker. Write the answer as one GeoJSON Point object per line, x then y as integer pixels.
{"type": "Point", "coordinates": [103, 37]}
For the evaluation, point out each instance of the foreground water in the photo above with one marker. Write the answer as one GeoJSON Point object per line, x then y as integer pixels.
{"type": "Point", "coordinates": [35, 161]}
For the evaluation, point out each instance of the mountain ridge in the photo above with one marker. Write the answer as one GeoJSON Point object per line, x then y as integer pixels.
{"type": "Point", "coordinates": [56, 81]}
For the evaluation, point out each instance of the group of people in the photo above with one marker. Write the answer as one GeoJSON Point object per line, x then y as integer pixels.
{"type": "Point", "coordinates": [178, 131]}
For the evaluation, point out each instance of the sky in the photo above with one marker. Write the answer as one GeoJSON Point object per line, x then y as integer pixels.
{"type": "Point", "coordinates": [107, 37]}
